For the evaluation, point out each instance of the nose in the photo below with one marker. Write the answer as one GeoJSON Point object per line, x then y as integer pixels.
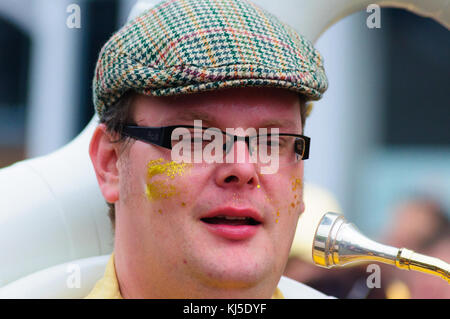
{"type": "Point", "coordinates": [238, 174]}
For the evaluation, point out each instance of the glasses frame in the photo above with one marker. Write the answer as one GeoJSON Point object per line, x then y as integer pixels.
{"type": "Point", "coordinates": [162, 136]}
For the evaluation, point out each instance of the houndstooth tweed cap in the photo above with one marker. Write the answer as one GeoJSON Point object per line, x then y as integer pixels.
{"type": "Point", "coordinates": [187, 46]}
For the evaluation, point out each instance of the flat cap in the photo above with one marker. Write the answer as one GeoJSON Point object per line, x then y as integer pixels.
{"type": "Point", "coordinates": [187, 46]}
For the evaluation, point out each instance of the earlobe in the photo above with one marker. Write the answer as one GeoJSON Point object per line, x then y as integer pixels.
{"type": "Point", "coordinates": [104, 156]}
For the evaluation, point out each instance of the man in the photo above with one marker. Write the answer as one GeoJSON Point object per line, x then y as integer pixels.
{"type": "Point", "coordinates": [201, 228]}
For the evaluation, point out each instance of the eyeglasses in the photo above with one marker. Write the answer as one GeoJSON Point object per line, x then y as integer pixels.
{"type": "Point", "coordinates": [193, 140]}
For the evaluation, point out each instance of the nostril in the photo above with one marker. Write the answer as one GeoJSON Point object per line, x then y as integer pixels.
{"type": "Point", "coordinates": [230, 179]}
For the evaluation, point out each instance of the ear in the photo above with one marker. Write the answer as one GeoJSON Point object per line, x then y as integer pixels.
{"type": "Point", "coordinates": [104, 156]}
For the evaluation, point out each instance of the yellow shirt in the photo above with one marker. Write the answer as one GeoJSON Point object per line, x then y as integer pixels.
{"type": "Point", "coordinates": [108, 286]}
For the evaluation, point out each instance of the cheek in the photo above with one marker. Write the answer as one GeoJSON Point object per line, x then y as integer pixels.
{"type": "Point", "coordinates": [153, 183]}
{"type": "Point", "coordinates": [166, 184]}
{"type": "Point", "coordinates": [286, 197]}
{"type": "Point", "coordinates": [296, 194]}
{"type": "Point", "coordinates": [143, 178]}
{"type": "Point", "coordinates": [162, 178]}
{"type": "Point", "coordinates": [173, 187]}
{"type": "Point", "coordinates": [130, 169]}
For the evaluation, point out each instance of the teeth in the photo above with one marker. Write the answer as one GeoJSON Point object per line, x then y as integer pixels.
{"type": "Point", "coordinates": [233, 217]}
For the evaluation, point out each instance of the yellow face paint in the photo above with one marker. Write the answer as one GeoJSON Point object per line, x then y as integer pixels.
{"type": "Point", "coordinates": [278, 215]}
{"type": "Point", "coordinates": [159, 189]}
{"type": "Point", "coordinates": [162, 188]}
{"type": "Point", "coordinates": [170, 169]}
{"type": "Point", "coordinates": [295, 183]}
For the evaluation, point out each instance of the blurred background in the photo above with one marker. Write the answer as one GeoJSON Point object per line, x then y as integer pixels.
{"type": "Point", "coordinates": [380, 136]}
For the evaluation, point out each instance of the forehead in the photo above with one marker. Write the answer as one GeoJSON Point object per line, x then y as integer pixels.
{"type": "Point", "coordinates": [238, 107]}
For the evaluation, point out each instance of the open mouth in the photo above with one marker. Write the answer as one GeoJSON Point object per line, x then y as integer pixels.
{"type": "Point", "coordinates": [231, 221]}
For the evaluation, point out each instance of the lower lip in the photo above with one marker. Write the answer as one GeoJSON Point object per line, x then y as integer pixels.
{"type": "Point", "coordinates": [233, 232]}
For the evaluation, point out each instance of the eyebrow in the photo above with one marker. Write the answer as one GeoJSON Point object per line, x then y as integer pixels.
{"type": "Point", "coordinates": [185, 116]}
{"type": "Point", "coordinates": [283, 123]}
{"type": "Point", "coordinates": [191, 115]}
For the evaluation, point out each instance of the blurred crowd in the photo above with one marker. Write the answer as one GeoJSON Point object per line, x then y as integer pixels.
{"type": "Point", "coordinates": [419, 224]}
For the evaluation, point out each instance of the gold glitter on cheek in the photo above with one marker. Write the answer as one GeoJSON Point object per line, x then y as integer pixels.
{"type": "Point", "coordinates": [295, 183]}
{"type": "Point", "coordinates": [297, 186]}
{"type": "Point", "coordinates": [170, 169]}
{"type": "Point", "coordinates": [159, 189]}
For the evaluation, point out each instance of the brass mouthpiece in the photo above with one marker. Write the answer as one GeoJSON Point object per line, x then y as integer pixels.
{"type": "Point", "coordinates": [338, 243]}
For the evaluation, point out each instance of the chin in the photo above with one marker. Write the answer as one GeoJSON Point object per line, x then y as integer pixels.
{"type": "Point", "coordinates": [235, 274]}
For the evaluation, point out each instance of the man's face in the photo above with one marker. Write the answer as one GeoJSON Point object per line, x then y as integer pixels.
{"type": "Point", "coordinates": [161, 230]}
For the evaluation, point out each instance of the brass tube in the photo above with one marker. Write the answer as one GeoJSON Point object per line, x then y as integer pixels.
{"type": "Point", "coordinates": [338, 243]}
{"type": "Point", "coordinates": [410, 260]}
